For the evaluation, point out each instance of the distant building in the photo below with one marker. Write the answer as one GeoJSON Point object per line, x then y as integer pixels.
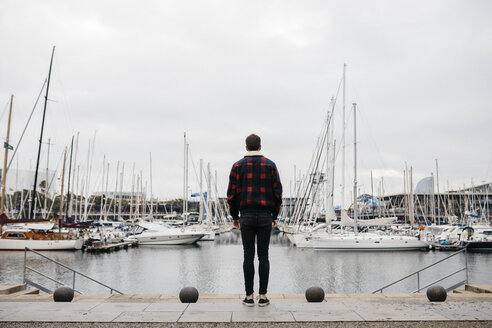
{"type": "Point", "coordinates": [125, 195]}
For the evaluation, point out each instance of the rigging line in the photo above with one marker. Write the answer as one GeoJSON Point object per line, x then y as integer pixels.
{"type": "Point", "coordinates": [48, 186]}
{"type": "Point", "coordinates": [193, 164]}
{"type": "Point", "coordinates": [5, 109]}
{"type": "Point", "coordinates": [195, 170]}
{"type": "Point", "coordinates": [89, 192]}
{"type": "Point", "coordinates": [307, 185]}
{"type": "Point", "coordinates": [54, 175]}
{"type": "Point", "coordinates": [338, 92]}
{"type": "Point", "coordinates": [219, 184]}
{"type": "Point", "coordinates": [340, 144]}
{"type": "Point", "coordinates": [65, 103]}
{"type": "Point", "coordinates": [25, 128]}
{"type": "Point", "coordinates": [372, 139]}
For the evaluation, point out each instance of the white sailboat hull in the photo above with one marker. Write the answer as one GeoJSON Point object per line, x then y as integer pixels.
{"type": "Point", "coordinates": [40, 245]}
{"type": "Point", "coordinates": [372, 242]}
{"type": "Point", "coordinates": [156, 238]}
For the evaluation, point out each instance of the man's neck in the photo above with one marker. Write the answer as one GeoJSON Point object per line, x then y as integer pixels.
{"type": "Point", "coordinates": [253, 153]}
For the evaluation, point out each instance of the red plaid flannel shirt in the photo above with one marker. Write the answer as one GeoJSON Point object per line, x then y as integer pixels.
{"type": "Point", "coordinates": [254, 182]}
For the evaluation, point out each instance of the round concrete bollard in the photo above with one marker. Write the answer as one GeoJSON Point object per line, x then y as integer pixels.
{"type": "Point", "coordinates": [63, 294]}
{"type": "Point", "coordinates": [188, 295]}
{"type": "Point", "coordinates": [436, 293]}
{"type": "Point", "coordinates": [315, 294]}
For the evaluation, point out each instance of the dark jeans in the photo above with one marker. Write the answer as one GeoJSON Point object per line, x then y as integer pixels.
{"type": "Point", "coordinates": [256, 225]}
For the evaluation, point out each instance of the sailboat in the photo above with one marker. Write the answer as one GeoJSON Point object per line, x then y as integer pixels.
{"type": "Point", "coordinates": [18, 234]}
{"type": "Point", "coordinates": [355, 241]}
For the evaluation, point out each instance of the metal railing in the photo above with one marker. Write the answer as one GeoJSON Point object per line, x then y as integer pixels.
{"type": "Point", "coordinates": [46, 290]}
{"type": "Point", "coordinates": [417, 273]}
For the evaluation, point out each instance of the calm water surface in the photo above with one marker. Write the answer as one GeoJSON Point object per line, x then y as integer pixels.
{"type": "Point", "coordinates": [216, 268]}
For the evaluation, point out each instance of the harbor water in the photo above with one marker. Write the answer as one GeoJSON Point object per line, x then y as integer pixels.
{"type": "Point", "coordinates": [215, 267]}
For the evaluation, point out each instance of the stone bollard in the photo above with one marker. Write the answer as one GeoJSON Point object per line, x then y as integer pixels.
{"type": "Point", "coordinates": [188, 295]}
{"type": "Point", "coordinates": [63, 294]}
{"type": "Point", "coordinates": [436, 293]}
{"type": "Point", "coordinates": [315, 294]}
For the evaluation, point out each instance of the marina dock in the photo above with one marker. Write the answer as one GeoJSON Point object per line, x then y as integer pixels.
{"type": "Point", "coordinates": [469, 308]}
{"type": "Point", "coordinates": [101, 248]}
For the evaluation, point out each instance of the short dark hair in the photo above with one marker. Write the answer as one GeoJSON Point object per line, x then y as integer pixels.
{"type": "Point", "coordinates": [253, 142]}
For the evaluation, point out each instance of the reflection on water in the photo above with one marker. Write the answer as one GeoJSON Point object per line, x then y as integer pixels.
{"type": "Point", "coordinates": [216, 267]}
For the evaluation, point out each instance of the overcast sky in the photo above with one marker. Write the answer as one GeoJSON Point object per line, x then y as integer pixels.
{"type": "Point", "coordinates": [138, 74]}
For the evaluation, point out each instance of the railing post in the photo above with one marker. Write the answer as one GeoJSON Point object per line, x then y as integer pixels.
{"type": "Point", "coordinates": [26, 249]}
{"type": "Point", "coordinates": [464, 250]}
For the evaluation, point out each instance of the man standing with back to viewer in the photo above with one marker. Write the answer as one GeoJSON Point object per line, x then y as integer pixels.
{"type": "Point", "coordinates": [255, 192]}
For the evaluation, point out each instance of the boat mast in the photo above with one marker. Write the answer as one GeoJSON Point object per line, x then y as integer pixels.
{"type": "Point", "coordinates": [114, 199]}
{"type": "Point", "coordinates": [75, 191]}
{"type": "Point", "coordinates": [438, 195]}
{"type": "Point", "coordinates": [342, 200]}
{"type": "Point", "coordinates": [4, 175]}
{"type": "Point", "coordinates": [333, 177]}
{"type": "Point", "coordinates": [61, 192]}
{"type": "Point", "coordinates": [185, 179]}
{"type": "Point", "coordinates": [405, 199]}
{"type": "Point", "coordinates": [151, 195]}
{"type": "Point", "coordinates": [69, 175]}
{"type": "Point", "coordinates": [47, 179]}
{"type": "Point", "coordinates": [133, 188]}
{"type": "Point", "coordinates": [433, 203]}
{"type": "Point", "coordinates": [327, 167]}
{"type": "Point", "coordinates": [33, 196]}
{"type": "Point", "coordinates": [106, 191]}
{"type": "Point", "coordinates": [86, 181]}
{"type": "Point", "coordinates": [82, 186]}
{"type": "Point", "coordinates": [412, 200]}
{"type": "Point", "coordinates": [356, 229]}
{"type": "Point", "coordinates": [201, 191]}
{"type": "Point", "coordinates": [216, 199]}
{"type": "Point", "coordinates": [101, 207]}
{"type": "Point", "coordinates": [372, 196]}
{"type": "Point", "coordinates": [137, 201]}
{"type": "Point", "coordinates": [121, 191]}
{"type": "Point", "coordinates": [209, 194]}
{"type": "Point", "coordinates": [142, 208]}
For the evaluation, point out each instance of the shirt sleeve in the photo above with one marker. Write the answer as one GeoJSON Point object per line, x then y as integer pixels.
{"type": "Point", "coordinates": [232, 196]}
{"type": "Point", "coordinates": [277, 192]}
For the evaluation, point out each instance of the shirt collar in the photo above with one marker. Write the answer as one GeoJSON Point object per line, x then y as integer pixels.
{"type": "Point", "coordinates": [253, 153]}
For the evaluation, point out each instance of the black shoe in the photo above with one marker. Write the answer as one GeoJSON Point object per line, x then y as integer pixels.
{"type": "Point", "coordinates": [248, 301]}
{"type": "Point", "coordinates": [263, 302]}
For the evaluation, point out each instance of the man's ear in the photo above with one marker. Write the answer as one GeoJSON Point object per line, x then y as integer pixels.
{"type": "Point", "coordinates": [259, 148]}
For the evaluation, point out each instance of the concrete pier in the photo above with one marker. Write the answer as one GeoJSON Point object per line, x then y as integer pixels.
{"type": "Point", "coordinates": [285, 310]}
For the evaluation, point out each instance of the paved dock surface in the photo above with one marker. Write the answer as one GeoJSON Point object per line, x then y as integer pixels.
{"type": "Point", "coordinates": [338, 310]}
